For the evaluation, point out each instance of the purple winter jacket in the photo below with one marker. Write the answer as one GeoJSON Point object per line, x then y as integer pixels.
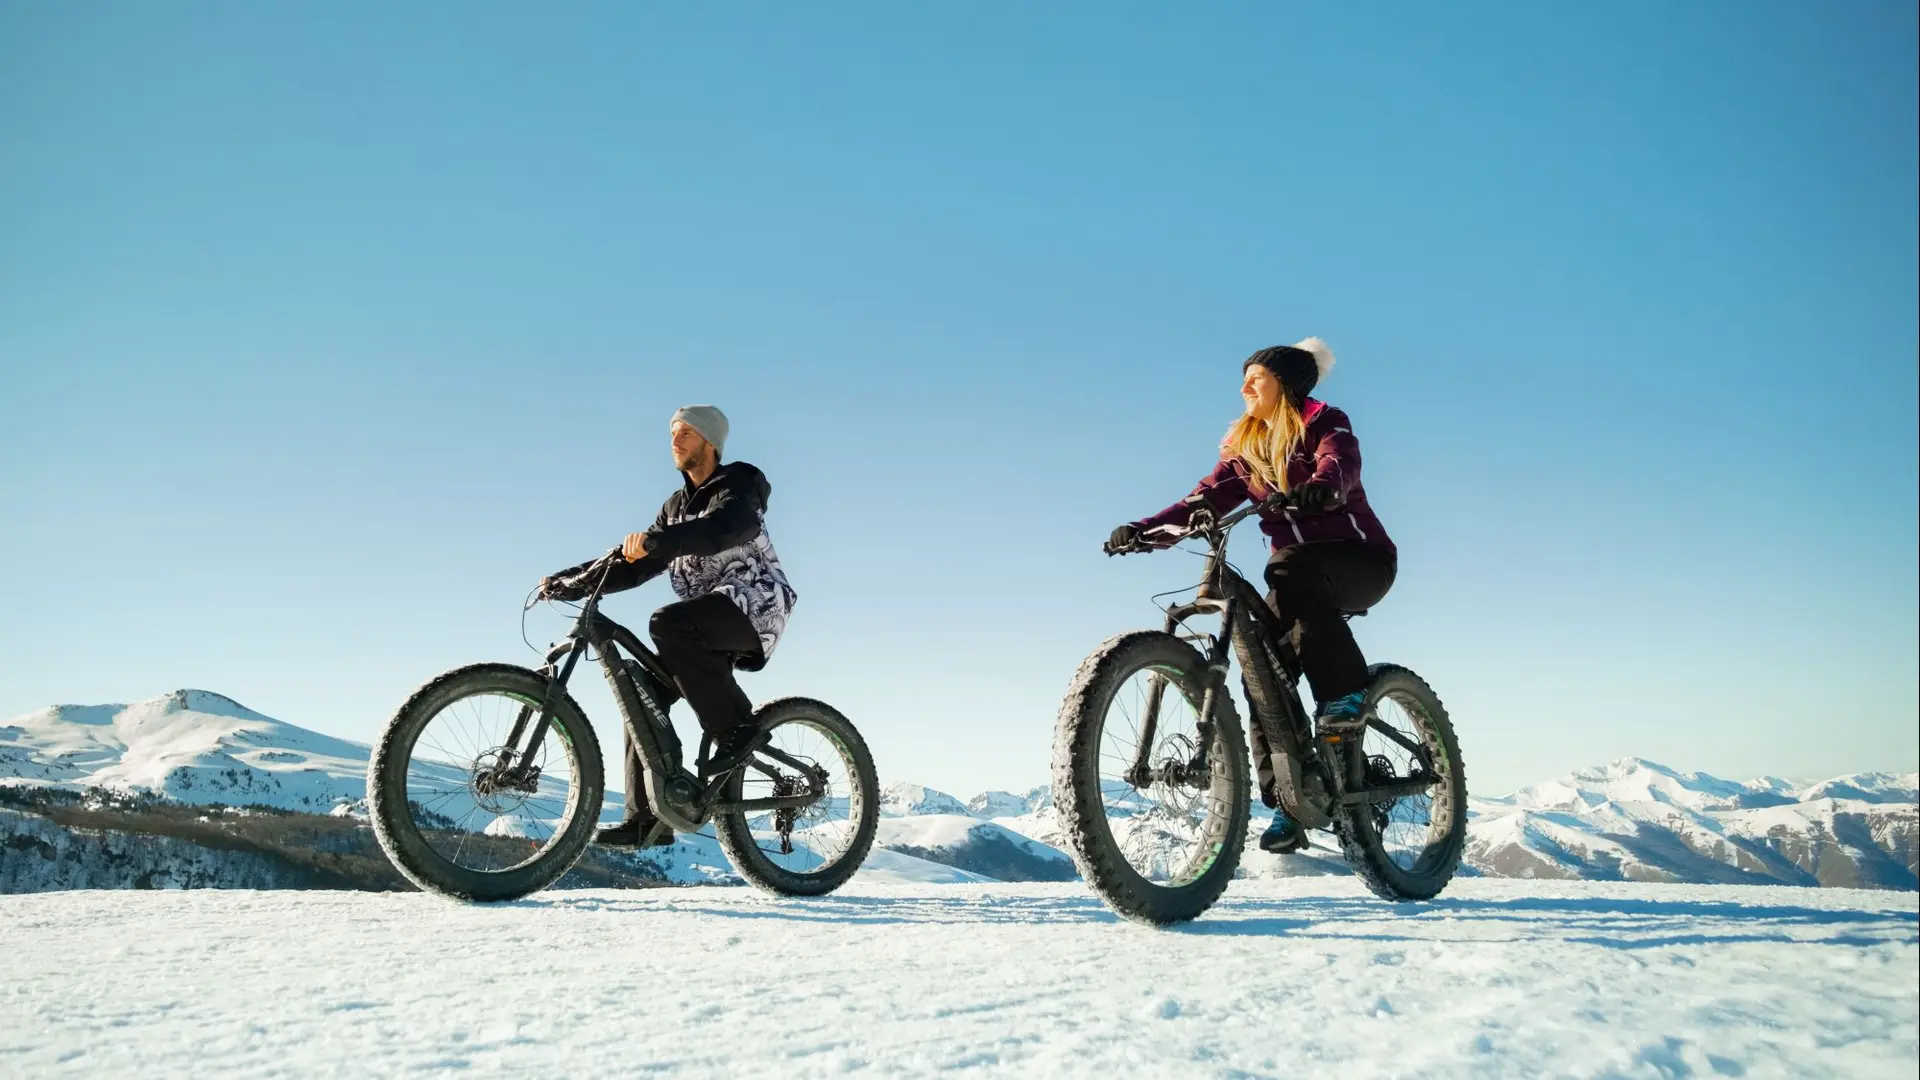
{"type": "Point", "coordinates": [1328, 454]}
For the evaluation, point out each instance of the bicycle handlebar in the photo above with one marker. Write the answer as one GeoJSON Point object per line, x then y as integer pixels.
{"type": "Point", "coordinates": [600, 566]}
{"type": "Point", "coordinates": [1209, 525]}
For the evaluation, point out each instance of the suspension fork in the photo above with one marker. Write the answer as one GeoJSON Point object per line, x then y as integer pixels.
{"type": "Point", "coordinates": [1216, 680]}
{"type": "Point", "coordinates": [1140, 772]}
{"type": "Point", "coordinates": [573, 648]}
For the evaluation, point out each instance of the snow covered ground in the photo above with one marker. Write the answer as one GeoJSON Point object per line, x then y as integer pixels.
{"type": "Point", "coordinates": [1308, 977]}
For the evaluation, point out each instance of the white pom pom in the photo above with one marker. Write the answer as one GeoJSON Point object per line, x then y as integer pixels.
{"type": "Point", "coordinates": [1322, 356]}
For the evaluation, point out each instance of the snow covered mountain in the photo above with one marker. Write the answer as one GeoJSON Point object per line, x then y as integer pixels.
{"type": "Point", "coordinates": [997, 804]}
{"type": "Point", "coordinates": [904, 800]}
{"type": "Point", "coordinates": [198, 748]}
{"type": "Point", "coordinates": [1641, 821]}
{"type": "Point", "coordinates": [981, 847]}
{"type": "Point", "coordinates": [1629, 820]}
{"type": "Point", "coordinates": [190, 746]}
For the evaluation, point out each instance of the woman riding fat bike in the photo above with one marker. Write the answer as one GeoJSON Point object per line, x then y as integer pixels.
{"type": "Point", "coordinates": [1331, 556]}
{"type": "Point", "coordinates": [1150, 770]}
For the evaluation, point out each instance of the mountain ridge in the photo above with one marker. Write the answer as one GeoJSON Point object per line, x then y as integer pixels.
{"type": "Point", "coordinates": [1627, 819]}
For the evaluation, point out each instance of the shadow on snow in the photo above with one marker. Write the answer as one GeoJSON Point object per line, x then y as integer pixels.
{"type": "Point", "coordinates": [1598, 921]}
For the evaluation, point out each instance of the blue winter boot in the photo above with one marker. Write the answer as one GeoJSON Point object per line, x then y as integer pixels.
{"type": "Point", "coordinates": [1343, 713]}
{"type": "Point", "coordinates": [1283, 834]}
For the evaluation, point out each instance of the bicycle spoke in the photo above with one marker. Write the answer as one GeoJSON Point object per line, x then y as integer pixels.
{"type": "Point", "coordinates": [497, 825]}
{"type": "Point", "coordinates": [1409, 827]}
{"type": "Point", "coordinates": [1160, 828]}
{"type": "Point", "coordinates": [821, 832]}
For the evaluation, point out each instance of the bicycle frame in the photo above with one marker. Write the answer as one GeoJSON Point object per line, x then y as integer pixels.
{"type": "Point", "coordinates": [642, 691]}
{"type": "Point", "coordinates": [1315, 772]}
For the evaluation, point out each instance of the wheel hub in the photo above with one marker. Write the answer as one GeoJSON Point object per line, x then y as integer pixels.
{"type": "Point", "coordinates": [1182, 764]}
{"type": "Point", "coordinates": [497, 786]}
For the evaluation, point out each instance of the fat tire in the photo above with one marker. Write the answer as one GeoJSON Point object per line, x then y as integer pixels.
{"type": "Point", "coordinates": [1354, 828]}
{"type": "Point", "coordinates": [387, 788]}
{"type": "Point", "coordinates": [736, 834]}
{"type": "Point", "coordinates": [1076, 780]}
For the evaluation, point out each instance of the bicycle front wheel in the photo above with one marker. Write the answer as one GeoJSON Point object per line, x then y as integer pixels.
{"type": "Point", "coordinates": [451, 818]}
{"type": "Point", "coordinates": [1153, 801]}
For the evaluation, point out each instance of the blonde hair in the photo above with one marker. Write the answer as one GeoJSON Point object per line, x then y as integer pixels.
{"type": "Point", "coordinates": [1265, 443]}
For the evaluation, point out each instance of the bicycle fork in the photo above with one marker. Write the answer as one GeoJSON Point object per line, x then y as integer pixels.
{"type": "Point", "coordinates": [505, 773]}
{"type": "Point", "coordinates": [1141, 773]}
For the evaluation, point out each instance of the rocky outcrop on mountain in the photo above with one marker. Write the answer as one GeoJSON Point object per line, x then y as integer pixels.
{"type": "Point", "coordinates": [44, 856]}
{"type": "Point", "coordinates": [52, 839]}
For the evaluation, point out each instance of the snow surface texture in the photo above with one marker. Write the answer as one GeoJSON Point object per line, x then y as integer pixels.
{"type": "Point", "coordinates": [1629, 820]}
{"type": "Point", "coordinates": [1301, 978]}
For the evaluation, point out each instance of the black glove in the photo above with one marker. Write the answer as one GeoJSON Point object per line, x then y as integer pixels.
{"type": "Point", "coordinates": [1124, 539]}
{"type": "Point", "coordinates": [1313, 498]}
{"type": "Point", "coordinates": [560, 588]}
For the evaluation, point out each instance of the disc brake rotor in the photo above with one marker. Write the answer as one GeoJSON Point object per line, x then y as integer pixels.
{"type": "Point", "coordinates": [1178, 788]}
{"type": "Point", "coordinates": [1380, 773]}
{"type": "Point", "coordinates": [499, 790]}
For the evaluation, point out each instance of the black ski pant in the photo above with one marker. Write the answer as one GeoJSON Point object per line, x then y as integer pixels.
{"type": "Point", "coordinates": [1312, 585]}
{"type": "Point", "coordinates": [701, 641]}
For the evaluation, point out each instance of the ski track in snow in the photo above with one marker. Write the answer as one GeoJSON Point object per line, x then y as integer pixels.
{"type": "Point", "coordinates": [1308, 977]}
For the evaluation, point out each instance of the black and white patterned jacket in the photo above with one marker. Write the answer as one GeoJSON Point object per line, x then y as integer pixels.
{"type": "Point", "coordinates": [713, 539]}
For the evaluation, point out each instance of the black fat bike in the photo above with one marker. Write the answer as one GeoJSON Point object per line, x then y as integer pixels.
{"type": "Point", "coordinates": [487, 783]}
{"type": "Point", "coordinates": [1150, 767]}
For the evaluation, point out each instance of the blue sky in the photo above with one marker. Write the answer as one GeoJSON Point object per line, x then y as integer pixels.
{"type": "Point", "coordinates": [326, 329]}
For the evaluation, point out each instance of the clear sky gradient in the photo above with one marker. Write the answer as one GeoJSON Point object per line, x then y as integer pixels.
{"type": "Point", "coordinates": [325, 329]}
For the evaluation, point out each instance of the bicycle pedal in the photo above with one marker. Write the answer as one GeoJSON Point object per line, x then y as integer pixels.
{"type": "Point", "coordinates": [1332, 728]}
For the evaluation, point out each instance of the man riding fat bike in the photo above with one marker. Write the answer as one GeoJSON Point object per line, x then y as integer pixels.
{"type": "Point", "coordinates": [1331, 555]}
{"type": "Point", "coordinates": [710, 538]}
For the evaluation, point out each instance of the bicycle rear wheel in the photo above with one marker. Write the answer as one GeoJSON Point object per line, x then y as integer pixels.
{"type": "Point", "coordinates": [1407, 848]}
{"type": "Point", "coordinates": [1159, 848]}
{"type": "Point", "coordinates": [439, 808]}
{"type": "Point", "coordinates": [814, 849]}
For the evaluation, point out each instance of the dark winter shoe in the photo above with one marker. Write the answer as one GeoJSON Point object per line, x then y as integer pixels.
{"type": "Point", "coordinates": [634, 833]}
{"type": "Point", "coordinates": [1283, 834]}
{"type": "Point", "coordinates": [1344, 713]}
{"type": "Point", "coordinates": [731, 749]}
